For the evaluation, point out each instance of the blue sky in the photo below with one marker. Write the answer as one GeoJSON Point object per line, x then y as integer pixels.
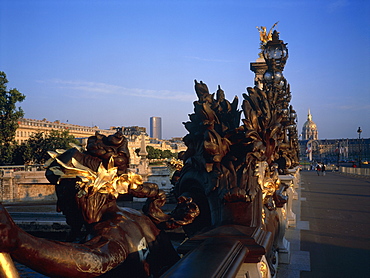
{"type": "Point", "coordinates": [117, 63]}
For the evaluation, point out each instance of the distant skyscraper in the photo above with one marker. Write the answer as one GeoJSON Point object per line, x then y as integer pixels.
{"type": "Point", "coordinates": [156, 127]}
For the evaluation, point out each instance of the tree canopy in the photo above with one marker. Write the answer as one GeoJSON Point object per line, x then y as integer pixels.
{"type": "Point", "coordinates": [154, 153]}
{"type": "Point", "coordinates": [35, 149]}
{"type": "Point", "coordinates": [9, 116]}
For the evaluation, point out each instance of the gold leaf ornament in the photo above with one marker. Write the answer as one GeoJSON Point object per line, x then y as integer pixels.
{"type": "Point", "coordinates": [105, 181]}
{"type": "Point", "coordinates": [131, 180]}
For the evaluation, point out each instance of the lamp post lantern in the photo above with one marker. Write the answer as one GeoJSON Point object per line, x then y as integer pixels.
{"type": "Point", "coordinates": [359, 146]}
{"type": "Point", "coordinates": [359, 132]}
{"type": "Point", "coordinates": [275, 54]}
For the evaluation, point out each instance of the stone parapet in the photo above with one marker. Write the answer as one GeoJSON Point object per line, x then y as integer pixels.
{"type": "Point", "coordinates": [288, 181]}
{"type": "Point", "coordinates": [355, 171]}
{"type": "Point", "coordinates": [18, 186]}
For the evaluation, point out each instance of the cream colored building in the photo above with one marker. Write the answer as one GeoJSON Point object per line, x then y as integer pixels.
{"type": "Point", "coordinates": [27, 127]}
{"type": "Point", "coordinates": [134, 143]}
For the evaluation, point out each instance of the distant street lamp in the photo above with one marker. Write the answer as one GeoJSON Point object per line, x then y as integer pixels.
{"type": "Point", "coordinates": [359, 132]}
{"type": "Point", "coordinates": [359, 146]}
{"type": "Point", "coordinates": [338, 152]}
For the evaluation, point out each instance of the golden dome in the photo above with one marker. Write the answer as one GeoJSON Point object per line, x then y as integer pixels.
{"type": "Point", "coordinates": [309, 125]}
{"type": "Point", "coordinates": [309, 129]}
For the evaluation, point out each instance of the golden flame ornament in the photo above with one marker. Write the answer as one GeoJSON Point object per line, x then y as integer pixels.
{"type": "Point", "coordinates": [104, 180]}
{"type": "Point", "coordinates": [174, 165]}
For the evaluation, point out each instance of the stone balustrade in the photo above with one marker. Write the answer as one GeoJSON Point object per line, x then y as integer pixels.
{"type": "Point", "coordinates": [355, 171]}
{"type": "Point", "coordinates": [18, 185]}
{"type": "Point", "coordinates": [287, 180]}
{"type": "Point", "coordinates": [22, 186]}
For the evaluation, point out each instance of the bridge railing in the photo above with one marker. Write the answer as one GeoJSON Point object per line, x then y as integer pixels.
{"type": "Point", "coordinates": [215, 257]}
{"type": "Point", "coordinates": [240, 251]}
{"type": "Point", "coordinates": [355, 171]}
{"type": "Point", "coordinates": [17, 168]}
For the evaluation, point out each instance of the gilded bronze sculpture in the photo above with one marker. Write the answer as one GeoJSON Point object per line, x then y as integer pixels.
{"type": "Point", "coordinates": [227, 186]}
{"type": "Point", "coordinates": [112, 240]}
{"type": "Point", "coordinates": [231, 171]}
{"type": "Point", "coordinates": [264, 35]}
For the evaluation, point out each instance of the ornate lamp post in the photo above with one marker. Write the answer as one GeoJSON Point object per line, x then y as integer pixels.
{"type": "Point", "coordinates": [359, 146]}
{"type": "Point", "coordinates": [275, 54]}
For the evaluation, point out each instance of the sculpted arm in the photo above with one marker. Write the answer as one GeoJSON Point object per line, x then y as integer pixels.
{"type": "Point", "coordinates": [59, 259]}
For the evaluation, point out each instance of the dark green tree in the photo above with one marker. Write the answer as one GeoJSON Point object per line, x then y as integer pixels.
{"type": "Point", "coordinates": [167, 154]}
{"type": "Point", "coordinates": [153, 153]}
{"type": "Point", "coordinates": [9, 116]}
{"type": "Point", "coordinates": [22, 154]}
{"type": "Point", "coordinates": [40, 143]}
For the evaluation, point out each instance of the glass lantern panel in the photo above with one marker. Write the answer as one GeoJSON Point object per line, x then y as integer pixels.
{"type": "Point", "coordinates": [278, 76]}
{"type": "Point", "coordinates": [275, 52]}
{"type": "Point", "coordinates": [268, 76]}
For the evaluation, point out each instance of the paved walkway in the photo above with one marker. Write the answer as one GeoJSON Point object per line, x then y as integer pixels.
{"type": "Point", "coordinates": [332, 235]}
{"type": "Point", "coordinates": [337, 209]}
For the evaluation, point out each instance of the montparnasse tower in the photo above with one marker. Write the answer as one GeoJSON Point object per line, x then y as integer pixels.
{"type": "Point", "coordinates": [309, 129]}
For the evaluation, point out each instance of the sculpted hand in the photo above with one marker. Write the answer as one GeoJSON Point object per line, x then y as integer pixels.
{"type": "Point", "coordinates": [185, 212]}
{"type": "Point", "coordinates": [8, 232]}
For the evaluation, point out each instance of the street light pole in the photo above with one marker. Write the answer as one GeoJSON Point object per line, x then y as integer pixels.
{"type": "Point", "coordinates": [359, 146]}
{"type": "Point", "coordinates": [338, 153]}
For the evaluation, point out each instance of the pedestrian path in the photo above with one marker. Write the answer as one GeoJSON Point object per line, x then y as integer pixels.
{"type": "Point", "coordinates": [300, 263]}
{"type": "Point", "coordinates": [337, 209]}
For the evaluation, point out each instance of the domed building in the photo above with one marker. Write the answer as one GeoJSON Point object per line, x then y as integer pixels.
{"type": "Point", "coordinates": [309, 129]}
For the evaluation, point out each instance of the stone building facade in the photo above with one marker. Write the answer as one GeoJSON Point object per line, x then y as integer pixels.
{"type": "Point", "coordinates": [134, 135]}
{"type": "Point", "coordinates": [335, 150]}
{"type": "Point", "coordinates": [27, 127]}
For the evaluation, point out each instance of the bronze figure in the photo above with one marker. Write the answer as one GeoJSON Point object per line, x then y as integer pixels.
{"type": "Point", "coordinates": [111, 240]}
{"type": "Point", "coordinates": [231, 171]}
